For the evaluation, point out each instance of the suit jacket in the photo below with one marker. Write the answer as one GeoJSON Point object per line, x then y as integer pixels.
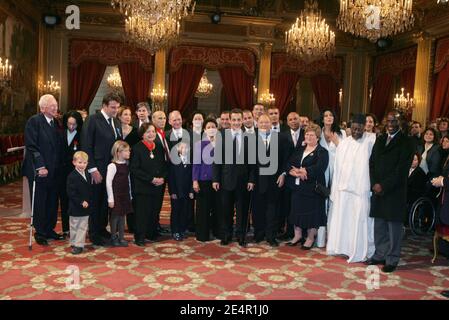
{"type": "Point", "coordinates": [267, 182]}
{"type": "Point", "coordinates": [69, 151]}
{"type": "Point", "coordinates": [180, 180]}
{"type": "Point", "coordinates": [389, 166]}
{"type": "Point", "coordinates": [44, 148]}
{"type": "Point", "coordinates": [144, 169]}
{"type": "Point", "coordinates": [78, 191]}
{"type": "Point", "coordinates": [97, 139]}
{"type": "Point", "coordinates": [315, 163]}
{"type": "Point", "coordinates": [433, 159]}
{"type": "Point", "coordinates": [135, 123]}
{"type": "Point", "coordinates": [444, 209]}
{"type": "Point", "coordinates": [416, 185]}
{"type": "Point", "coordinates": [229, 174]}
{"type": "Point", "coordinates": [287, 147]}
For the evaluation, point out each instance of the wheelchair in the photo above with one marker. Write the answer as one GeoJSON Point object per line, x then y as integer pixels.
{"type": "Point", "coordinates": [423, 214]}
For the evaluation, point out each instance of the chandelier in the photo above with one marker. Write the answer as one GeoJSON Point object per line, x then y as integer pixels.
{"type": "Point", "coordinates": [50, 87]}
{"type": "Point", "coordinates": [115, 81]}
{"type": "Point", "coordinates": [310, 38]}
{"type": "Point", "coordinates": [152, 37]}
{"type": "Point", "coordinates": [267, 98]}
{"type": "Point", "coordinates": [5, 73]}
{"type": "Point", "coordinates": [205, 88]}
{"type": "Point", "coordinates": [403, 103]}
{"type": "Point", "coordinates": [155, 10]}
{"type": "Point", "coordinates": [374, 19]}
{"type": "Point", "coordinates": [442, 1]}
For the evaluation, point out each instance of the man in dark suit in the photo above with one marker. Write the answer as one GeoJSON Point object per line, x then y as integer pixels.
{"type": "Point", "coordinates": [266, 192]}
{"type": "Point", "coordinates": [390, 162]}
{"type": "Point", "coordinates": [159, 120]}
{"type": "Point", "coordinates": [234, 178]}
{"type": "Point", "coordinates": [289, 142]}
{"type": "Point", "coordinates": [98, 136]}
{"type": "Point", "coordinates": [43, 164]}
{"type": "Point", "coordinates": [274, 114]}
{"type": "Point", "coordinates": [143, 113]}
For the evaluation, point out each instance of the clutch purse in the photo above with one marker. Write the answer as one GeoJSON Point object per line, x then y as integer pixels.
{"type": "Point", "coordinates": [322, 190]}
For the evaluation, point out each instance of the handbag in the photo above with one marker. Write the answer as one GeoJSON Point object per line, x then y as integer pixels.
{"type": "Point", "coordinates": [322, 190]}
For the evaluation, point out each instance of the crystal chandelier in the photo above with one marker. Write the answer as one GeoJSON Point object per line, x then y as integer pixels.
{"type": "Point", "coordinates": [374, 19]}
{"type": "Point", "coordinates": [152, 37]}
{"type": "Point", "coordinates": [403, 103]}
{"type": "Point", "coordinates": [5, 73]}
{"type": "Point", "coordinates": [309, 38]}
{"type": "Point", "coordinates": [267, 98]}
{"type": "Point", "coordinates": [155, 10]}
{"type": "Point", "coordinates": [442, 1]}
{"type": "Point", "coordinates": [158, 97]}
{"type": "Point", "coordinates": [50, 87]}
{"type": "Point", "coordinates": [115, 81]}
{"type": "Point", "coordinates": [205, 88]}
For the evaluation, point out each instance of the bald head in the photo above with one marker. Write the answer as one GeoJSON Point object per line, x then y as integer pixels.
{"type": "Point", "coordinates": [293, 121]}
{"type": "Point", "coordinates": [175, 119]}
{"type": "Point", "coordinates": [159, 119]}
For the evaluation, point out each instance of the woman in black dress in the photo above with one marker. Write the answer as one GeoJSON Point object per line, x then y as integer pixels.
{"type": "Point", "coordinates": [72, 123]}
{"type": "Point", "coordinates": [130, 134]}
{"type": "Point", "coordinates": [306, 169]}
{"type": "Point", "coordinates": [149, 172]}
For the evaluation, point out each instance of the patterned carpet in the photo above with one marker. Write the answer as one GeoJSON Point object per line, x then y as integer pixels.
{"type": "Point", "coordinates": [194, 271]}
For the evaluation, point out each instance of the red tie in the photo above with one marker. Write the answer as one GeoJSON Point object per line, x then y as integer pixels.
{"type": "Point", "coordinates": [164, 143]}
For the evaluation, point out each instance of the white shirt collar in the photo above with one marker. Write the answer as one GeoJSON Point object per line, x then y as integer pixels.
{"type": "Point", "coordinates": [295, 132]}
{"type": "Point", "coordinates": [250, 130]}
{"type": "Point", "coordinates": [105, 115]}
{"type": "Point", "coordinates": [394, 134]}
{"type": "Point", "coordinates": [234, 132]}
{"type": "Point", "coordinates": [48, 119]}
{"type": "Point", "coordinates": [82, 173]}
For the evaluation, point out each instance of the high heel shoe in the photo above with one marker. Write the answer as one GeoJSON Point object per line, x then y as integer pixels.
{"type": "Point", "coordinates": [292, 244]}
{"type": "Point", "coordinates": [303, 247]}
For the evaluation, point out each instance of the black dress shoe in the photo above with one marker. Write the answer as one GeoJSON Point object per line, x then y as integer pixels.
{"type": "Point", "coordinates": [77, 250]}
{"type": "Point", "coordinates": [388, 268]}
{"type": "Point", "coordinates": [41, 240]}
{"type": "Point", "coordinates": [445, 293]}
{"type": "Point", "coordinates": [373, 262]}
{"type": "Point", "coordinates": [55, 236]}
{"type": "Point", "coordinates": [273, 243]}
{"type": "Point", "coordinates": [224, 242]}
{"type": "Point", "coordinates": [242, 243]}
{"type": "Point", "coordinates": [139, 243]}
{"type": "Point", "coordinates": [292, 244]}
{"type": "Point", "coordinates": [160, 229]}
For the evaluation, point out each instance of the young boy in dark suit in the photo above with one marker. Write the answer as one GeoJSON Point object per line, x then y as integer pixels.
{"type": "Point", "coordinates": [181, 193]}
{"type": "Point", "coordinates": [79, 192]}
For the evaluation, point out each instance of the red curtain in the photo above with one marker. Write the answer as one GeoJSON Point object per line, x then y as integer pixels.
{"type": "Point", "coordinates": [238, 87]}
{"type": "Point", "coordinates": [407, 80]}
{"type": "Point", "coordinates": [382, 95]}
{"type": "Point", "coordinates": [283, 88]}
{"type": "Point", "coordinates": [135, 81]}
{"type": "Point", "coordinates": [85, 79]}
{"type": "Point", "coordinates": [182, 86]}
{"type": "Point", "coordinates": [440, 106]}
{"type": "Point", "coordinates": [326, 92]}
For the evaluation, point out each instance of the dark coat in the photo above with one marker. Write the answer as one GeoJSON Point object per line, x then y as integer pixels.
{"type": "Point", "coordinates": [69, 151]}
{"type": "Point", "coordinates": [389, 167]}
{"type": "Point", "coordinates": [268, 182]}
{"type": "Point", "coordinates": [180, 180]}
{"type": "Point", "coordinates": [287, 147]}
{"type": "Point", "coordinates": [78, 191]}
{"type": "Point", "coordinates": [416, 185]}
{"type": "Point", "coordinates": [433, 159]}
{"type": "Point", "coordinates": [97, 139]}
{"type": "Point", "coordinates": [44, 148]}
{"type": "Point", "coordinates": [315, 163]}
{"type": "Point", "coordinates": [144, 169]}
{"type": "Point", "coordinates": [132, 138]}
{"type": "Point", "coordinates": [228, 174]}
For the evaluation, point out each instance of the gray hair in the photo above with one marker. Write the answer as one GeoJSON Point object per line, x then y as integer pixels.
{"type": "Point", "coordinates": [45, 100]}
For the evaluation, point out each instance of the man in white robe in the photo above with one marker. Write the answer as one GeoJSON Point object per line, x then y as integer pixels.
{"type": "Point", "coordinates": [350, 229]}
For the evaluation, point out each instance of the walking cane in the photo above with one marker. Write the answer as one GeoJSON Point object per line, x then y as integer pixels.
{"type": "Point", "coordinates": [30, 243]}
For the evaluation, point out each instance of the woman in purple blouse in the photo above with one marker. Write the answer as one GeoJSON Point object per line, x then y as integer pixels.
{"type": "Point", "coordinates": [202, 182]}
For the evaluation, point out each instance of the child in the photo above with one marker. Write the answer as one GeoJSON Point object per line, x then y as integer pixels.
{"type": "Point", "coordinates": [181, 193]}
{"type": "Point", "coordinates": [79, 191]}
{"type": "Point", "coordinates": [118, 186]}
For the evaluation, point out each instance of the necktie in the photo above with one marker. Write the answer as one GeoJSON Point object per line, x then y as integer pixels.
{"type": "Point", "coordinates": [389, 140]}
{"type": "Point", "coordinates": [295, 138]}
{"type": "Point", "coordinates": [112, 127]}
{"type": "Point", "coordinates": [52, 123]}
{"type": "Point", "coordinates": [236, 146]}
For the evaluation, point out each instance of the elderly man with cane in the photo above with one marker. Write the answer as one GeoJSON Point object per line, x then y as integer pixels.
{"type": "Point", "coordinates": [42, 165]}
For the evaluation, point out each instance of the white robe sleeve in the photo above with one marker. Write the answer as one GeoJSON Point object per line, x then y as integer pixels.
{"type": "Point", "coordinates": [112, 170]}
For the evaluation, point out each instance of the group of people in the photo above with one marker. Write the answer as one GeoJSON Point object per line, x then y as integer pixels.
{"type": "Point", "coordinates": [308, 183]}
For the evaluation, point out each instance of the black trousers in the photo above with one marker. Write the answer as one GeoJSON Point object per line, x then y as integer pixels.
{"type": "Point", "coordinates": [131, 219]}
{"type": "Point", "coordinates": [265, 215]}
{"type": "Point", "coordinates": [238, 199]}
{"type": "Point", "coordinates": [284, 225]}
{"type": "Point", "coordinates": [180, 214]}
{"type": "Point", "coordinates": [98, 220]}
{"type": "Point", "coordinates": [205, 211]}
{"type": "Point", "coordinates": [64, 202]}
{"type": "Point", "coordinates": [159, 202]}
{"type": "Point", "coordinates": [145, 215]}
{"type": "Point", "coordinates": [45, 213]}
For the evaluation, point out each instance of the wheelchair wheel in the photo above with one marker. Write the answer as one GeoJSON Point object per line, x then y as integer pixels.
{"type": "Point", "coordinates": [422, 217]}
